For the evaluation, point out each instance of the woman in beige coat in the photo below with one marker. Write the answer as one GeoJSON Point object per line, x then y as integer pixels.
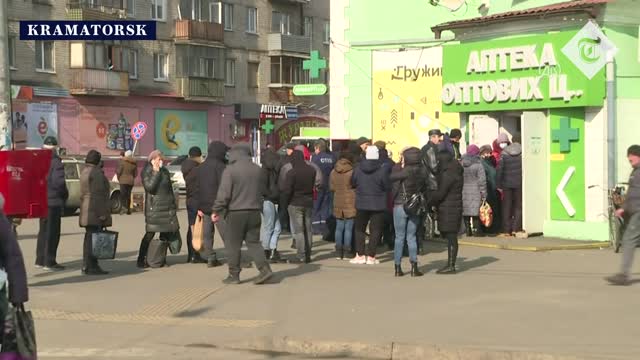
{"type": "Point", "coordinates": [344, 203]}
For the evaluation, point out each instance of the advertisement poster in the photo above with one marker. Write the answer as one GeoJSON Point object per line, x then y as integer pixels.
{"type": "Point", "coordinates": [406, 98]}
{"type": "Point", "coordinates": [32, 126]}
{"type": "Point", "coordinates": [178, 130]}
{"type": "Point", "coordinates": [106, 129]}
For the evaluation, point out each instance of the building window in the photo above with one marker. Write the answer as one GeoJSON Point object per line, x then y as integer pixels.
{"type": "Point", "coordinates": [288, 70]}
{"type": "Point", "coordinates": [95, 56]}
{"type": "Point", "coordinates": [206, 68]}
{"type": "Point", "coordinates": [160, 67]}
{"type": "Point", "coordinates": [230, 73]}
{"type": "Point", "coordinates": [131, 8]}
{"type": "Point", "coordinates": [327, 32]}
{"type": "Point", "coordinates": [252, 75]}
{"type": "Point", "coordinates": [158, 10]}
{"type": "Point", "coordinates": [280, 23]}
{"type": "Point", "coordinates": [252, 20]}
{"type": "Point", "coordinates": [12, 52]}
{"type": "Point", "coordinates": [133, 64]}
{"type": "Point", "coordinates": [45, 56]}
{"type": "Point", "coordinates": [215, 12]}
{"type": "Point", "coordinates": [308, 26]}
{"type": "Point", "coordinates": [227, 18]}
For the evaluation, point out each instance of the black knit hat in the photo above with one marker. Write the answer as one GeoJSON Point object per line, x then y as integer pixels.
{"type": "Point", "coordinates": [93, 157]}
{"type": "Point", "coordinates": [195, 151]}
{"type": "Point", "coordinates": [435, 132]}
{"type": "Point", "coordinates": [455, 133]}
{"type": "Point", "coordinates": [362, 140]}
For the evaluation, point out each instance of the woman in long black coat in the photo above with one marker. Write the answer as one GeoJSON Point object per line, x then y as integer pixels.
{"type": "Point", "coordinates": [448, 199]}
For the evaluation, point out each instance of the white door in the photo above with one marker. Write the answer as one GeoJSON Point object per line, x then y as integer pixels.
{"type": "Point", "coordinates": [535, 171]}
{"type": "Point", "coordinates": [483, 129]}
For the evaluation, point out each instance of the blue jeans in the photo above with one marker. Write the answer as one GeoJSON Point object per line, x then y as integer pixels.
{"type": "Point", "coordinates": [344, 231]}
{"type": "Point", "coordinates": [270, 231]}
{"type": "Point", "coordinates": [406, 227]}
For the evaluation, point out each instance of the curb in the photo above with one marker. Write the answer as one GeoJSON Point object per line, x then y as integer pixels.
{"type": "Point", "coordinates": [589, 246]}
{"type": "Point", "coordinates": [388, 351]}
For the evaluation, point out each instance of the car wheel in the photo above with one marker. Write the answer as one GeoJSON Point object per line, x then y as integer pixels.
{"type": "Point", "coordinates": [116, 204]}
{"type": "Point", "coordinates": [70, 211]}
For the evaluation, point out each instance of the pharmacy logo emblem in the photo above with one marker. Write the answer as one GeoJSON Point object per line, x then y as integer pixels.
{"type": "Point", "coordinates": [588, 49]}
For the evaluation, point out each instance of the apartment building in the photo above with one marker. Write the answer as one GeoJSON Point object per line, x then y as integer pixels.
{"type": "Point", "coordinates": [205, 77]}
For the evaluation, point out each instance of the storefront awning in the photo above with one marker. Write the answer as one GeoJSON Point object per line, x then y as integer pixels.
{"type": "Point", "coordinates": [589, 6]}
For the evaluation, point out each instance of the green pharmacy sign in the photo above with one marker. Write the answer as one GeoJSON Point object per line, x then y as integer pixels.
{"type": "Point", "coordinates": [531, 72]}
{"type": "Point", "coordinates": [309, 89]}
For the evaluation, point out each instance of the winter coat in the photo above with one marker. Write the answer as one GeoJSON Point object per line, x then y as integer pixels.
{"type": "Point", "coordinates": [284, 170]}
{"type": "Point", "coordinates": [57, 192]}
{"type": "Point", "coordinates": [269, 176]}
{"type": "Point", "coordinates": [372, 183]}
{"type": "Point", "coordinates": [11, 260]}
{"type": "Point", "coordinates": [325, 162]}
{"type": "Point", "coordinates": [344, 196]}
{"type": "Point", "coordinates": [300, 182]}
{"type": "Point", "coordinates": [240, 184]}
{"type": "Point", "coordinates": [497, 151]}
{"type": "Point", "coordinates": [412, 176]}
{"type": "Point", "coordinates": [632, 200]}
{"type": "Point", "coordinates": [448, 197]}
{"type": "Point", "coordinates": [430, 162]}
{"type": "Point", "coordinates": [160, 202]}
{"type": "Point", "coordinates": [210, 174]}
{"type": "Point", "coordinates": [509, 172]}
{"type": "Point", "coordinates": [475, 185]}
{"type": "Point", "coordinates": [490, 174]}
{"type": "Point", "coordinates": [386, 161]}
{"type": "Point", "coordinates": [95, 206]}
{"type": "Point", "coordinates": [127, 171]}
{"type": "Point", "coordinates": [189, 170]}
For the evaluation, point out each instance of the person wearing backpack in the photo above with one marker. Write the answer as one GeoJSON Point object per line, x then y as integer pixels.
{"type": "Point", "coordinates": [270, 230]}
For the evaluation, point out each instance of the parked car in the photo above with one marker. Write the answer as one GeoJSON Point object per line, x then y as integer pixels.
{"type": "Point", "coordinates": [175, 169]}
{"type": "Point", "coordinates": [72, 170]}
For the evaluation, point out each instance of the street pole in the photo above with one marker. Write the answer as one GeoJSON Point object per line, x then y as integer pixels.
{"type": "Point", "coordinates": [5, 84]}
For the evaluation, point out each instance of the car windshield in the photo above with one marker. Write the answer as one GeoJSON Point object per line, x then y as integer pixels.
{"type": "Point", "coordinates": [179, 160]}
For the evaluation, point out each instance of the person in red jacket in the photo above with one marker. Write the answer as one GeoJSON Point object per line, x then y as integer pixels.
{"type": "Point", "coordinates": [499, 144]}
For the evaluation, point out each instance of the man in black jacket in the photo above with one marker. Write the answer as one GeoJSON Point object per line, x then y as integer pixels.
{"type": "Point", "coordinates": [57, 194]}
{"type": "Point", "coordinates": [430, 158]}
{"type": "Point", "coordinates": [239, 203]}
{"type": "Point", "coordinates": [509, 182]}
{"type": "Point", "coordinates": [189, 170]}
{"type": "Point", "coordinates": [270, 232]}
{"type": "Point", "coordinates": [209, 176]}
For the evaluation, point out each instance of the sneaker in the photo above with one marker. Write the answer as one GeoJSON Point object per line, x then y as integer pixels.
{"type": "Point", "coordinates": [372, 261]}
{"type": "Point", "coordinates": [296, 260]}
{"type": "Point", "coordinates": [619, 280]}
{"type": "Point", "coordinates": [359, 260]}
{"type": "Point", "coordinates": [232, 280]}
{"type": "Point", "coordinates": [263, 277]}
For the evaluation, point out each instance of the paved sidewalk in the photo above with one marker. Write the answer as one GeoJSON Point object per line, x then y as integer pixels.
{"type": "Point", "coordinates": [542, 302]}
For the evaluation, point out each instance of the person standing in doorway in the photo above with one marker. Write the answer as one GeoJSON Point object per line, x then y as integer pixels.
{"type": "Point", "coordinates": [189, 170]}
{"type": "Point", "coordinates": [509, 182]}
{"type": "Point", "coordinates": [456, 136]}
{"type": "Point", "coordinates": [630, 211]}
{"type": "Point", "coordinates": [126, 172]}
{"type": "Point", "coordinates": [159, 204]}
{"type": "Point", "coordinates": [371, 181]}
{"type": "Point", "coordinates": [239, 203]}
{"type": "Point", "coordinates": [300, 184]}
{"type": "Point", "coordinates": [270, 232]}
{"type": "Point", "coordinates": [95, 209]}
{"type": "Point", "coordinates": [474, 191]}
{"type": "Point", "coordinates": [493, 196]}
{"type": "Point", "coordinates": [344, 204]}
{"type": "Point", "coordinates": [499, 145]}
{"type": "Point", "coordinates": [57, 194]}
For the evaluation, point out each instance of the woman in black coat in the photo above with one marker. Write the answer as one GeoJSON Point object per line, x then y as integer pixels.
{"type": "Point", "coordinates": [448, 199]}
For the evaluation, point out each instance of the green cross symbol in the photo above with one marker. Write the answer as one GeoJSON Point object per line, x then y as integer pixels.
{"type": "Point", "coordinates": [315, 64]}
{"type": "Point", "coordinates": [565, 135]}
{"type": "Point", "coordinates": [268, 127]}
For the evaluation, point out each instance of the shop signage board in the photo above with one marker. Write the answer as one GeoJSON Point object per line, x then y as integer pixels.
{"type": "Point", "coordinates": [278, 112]}
{"type": "Point", "coordinates": [310, 90]}
{"type": "Point", "coordinates": [530, 72]}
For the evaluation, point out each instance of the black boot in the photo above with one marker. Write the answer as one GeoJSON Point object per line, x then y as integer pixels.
{"type": "Point", "coordinates": [265, 274]}
{"type": "Point", "coordinates": [267, 254]}
{"type": "Point", "coordinates": [275, 257]}
{"type": "Point", "coordinates": [414, 270]}
{"type": "Point", "coordinates": [339, 252]}
{"type": "Point", "coordinates": [197, 259]}
{"type": "Point", "coordinates": [447, 268]}
{"type": "Point", "coordinates": [232, 279]}
{"type": "Point", "coordinates": [399, 271]}
{"type": "Point", "coordinates": [213, 261]}
{"type": "Point", "coordinates": [468, 224]}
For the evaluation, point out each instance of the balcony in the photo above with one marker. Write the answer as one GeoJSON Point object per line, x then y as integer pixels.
{"type": "Point", "coordinates": [292, 45]}
{"type": "Point", "coordinates": [200, 89]}
{"type": "Point", "coordinates": [99, 82]}
{"type": "Point", "coordinates": [85, 10]}
{"type": "Point", "coordinates": [193, 30]}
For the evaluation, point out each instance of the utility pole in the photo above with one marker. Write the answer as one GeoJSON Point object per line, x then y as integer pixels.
{"type": "Point", "coordinates": [5, 83]}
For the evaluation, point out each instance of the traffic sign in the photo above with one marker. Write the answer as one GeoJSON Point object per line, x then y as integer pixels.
{"type": "Point", "coordinates": [309, 89]}
{"type": "Point", "coordinates": [138, 130]}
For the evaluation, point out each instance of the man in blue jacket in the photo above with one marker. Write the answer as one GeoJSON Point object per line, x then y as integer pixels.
{"type": "Point", "coordinates": [322, 205]}
{"type": "Point", "coordinates": [57, 194]}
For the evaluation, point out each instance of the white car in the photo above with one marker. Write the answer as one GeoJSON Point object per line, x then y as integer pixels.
{"type": "Point", "coordinates": [175, 169]}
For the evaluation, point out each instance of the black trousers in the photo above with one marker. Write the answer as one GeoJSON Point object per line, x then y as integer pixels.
{"type": "Point", "coordinates": [49, 237]}
{"type": "Point", "coordinates": [239, 227]}
{"type": "Point", "coordinates": [512, 211]}
{"type": "Point", "coordinates": [452, 246]}
{"type": "Point", "coordinates": [125, 196]}
{"type": "Point", "coordinates": [375, 219]}
{"type": "Point", "coordinates": [283, 213]}
{"type": "Point", "coordinates": [89, 262]}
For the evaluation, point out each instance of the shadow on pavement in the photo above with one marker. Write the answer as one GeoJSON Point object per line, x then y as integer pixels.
{"type": "Point", "coordinates": [300, 270]}
{"type": "Point", "coordinates": [193, 313]}
{"type": "Point", "coordinates": [462, 264]}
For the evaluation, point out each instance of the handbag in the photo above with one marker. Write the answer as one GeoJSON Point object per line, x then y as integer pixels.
{"type": "Point", "coordinates": [104, 244]}
{"type": "Point", "coordinates": [19, 335]}
{"type": "Point", "coordinates": [175, 243]}
{"type": "Point", "coordinates": [414, 205]}
{"type": "Point", "coordinates": [197, 233]}
{"type": "Point", "coordinates": [486, 214]}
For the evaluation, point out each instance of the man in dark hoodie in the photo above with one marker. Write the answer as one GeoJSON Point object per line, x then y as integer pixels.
{"type": "Point", "coordinates": [299, 185]}
{"type": "Point", "coordinates": [239, 203]}
{"type": "Point", "coordinates": [57, 194]}
{"type": "Point", "coordinates": [271, 228]}
{"type": "Point", "coordinates": [190, 173]}
{"type": "Point", "coordinates": [509, 182]}
{"type": "Point", "coordinates": [209, 175]}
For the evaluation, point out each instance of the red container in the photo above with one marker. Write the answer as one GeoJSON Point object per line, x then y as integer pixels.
{"type": "Point", "coordinates": [23, 182]}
